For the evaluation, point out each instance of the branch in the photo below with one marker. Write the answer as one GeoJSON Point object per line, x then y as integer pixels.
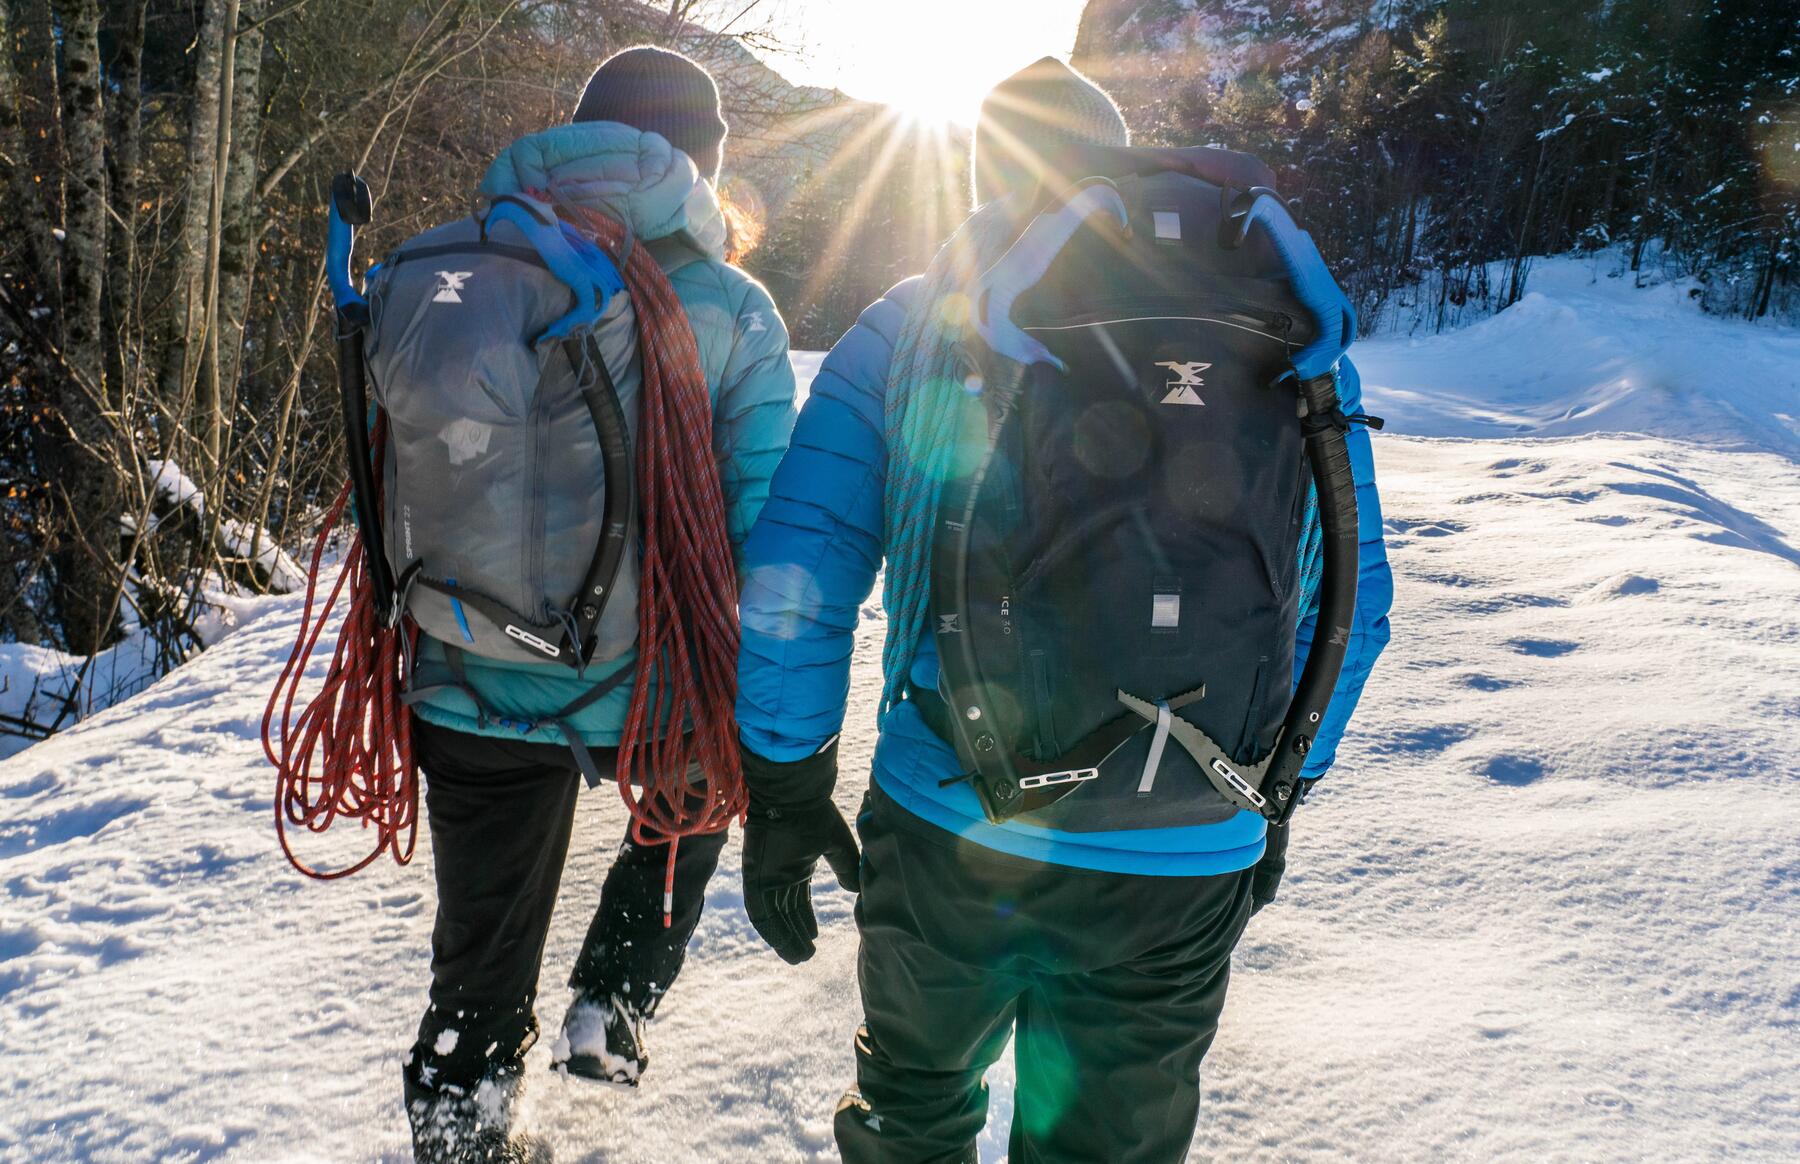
{"type": "Point", "coordinates": [252, 26]}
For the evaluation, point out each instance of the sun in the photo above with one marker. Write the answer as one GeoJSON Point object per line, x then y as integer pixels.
{"type": "Point", "coordinates": [928, 107]}
{"type": "Point", "coordinates": [930, 60]}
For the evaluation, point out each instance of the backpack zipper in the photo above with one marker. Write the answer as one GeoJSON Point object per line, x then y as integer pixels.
{"type": "Point", "coordinates": [1275, 325]}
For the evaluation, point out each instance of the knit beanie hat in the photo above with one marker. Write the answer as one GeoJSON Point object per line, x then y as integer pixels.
{"type": "Point", "coordinates": [1030, 119]}
{"type": "Point", "coordinates": [662, 92]}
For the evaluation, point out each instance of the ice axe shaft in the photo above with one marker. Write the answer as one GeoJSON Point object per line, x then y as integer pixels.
{"type": "Point", "coordinates": [350, 208]}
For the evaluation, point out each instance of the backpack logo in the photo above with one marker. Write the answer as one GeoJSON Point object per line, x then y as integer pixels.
{"type": "Point", "coordinates": [449, 283]}
{"type": "Point", "coordinates": [948, 624]}
{"type": "Point", "coordinates": [1186, 379]}
{"type": "Point", "coordinates": [756, 322]}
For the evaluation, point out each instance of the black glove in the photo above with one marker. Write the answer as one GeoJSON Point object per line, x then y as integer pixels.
{"type": "Point", "coordinates": [1266, 876]}
{"type": "Point", "coordinates": [792, 823]}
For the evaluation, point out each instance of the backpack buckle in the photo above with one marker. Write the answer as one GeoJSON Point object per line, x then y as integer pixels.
{"type": "Point", "coordinates": [1051, 779]}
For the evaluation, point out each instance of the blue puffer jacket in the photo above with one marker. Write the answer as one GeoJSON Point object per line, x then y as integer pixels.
{"type": "Point", "coordinates": [654, 189]}
{"type": "Point", "coordinates": [812, 561]}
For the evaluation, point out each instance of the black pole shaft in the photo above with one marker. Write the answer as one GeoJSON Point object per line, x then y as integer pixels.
{"type": "Point", "coordinates": [353, 387]}
{"type": "Point", "coordinates": [1329, 455]}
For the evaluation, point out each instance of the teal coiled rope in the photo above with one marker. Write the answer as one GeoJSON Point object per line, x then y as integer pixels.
{"type": "Point", "coordinates": [926, 386]}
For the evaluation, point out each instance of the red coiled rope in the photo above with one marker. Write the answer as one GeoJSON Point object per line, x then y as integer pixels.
{"type": "Point", "coordinates": [687, 608]}
{"type": "Point", "coordinates": [359, 735]}
{"type": "Point", "coordinates": [349, 752]}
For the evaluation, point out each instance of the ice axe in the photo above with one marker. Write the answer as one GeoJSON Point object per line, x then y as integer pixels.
{"type": "Point", "coordinates": [351, 207]}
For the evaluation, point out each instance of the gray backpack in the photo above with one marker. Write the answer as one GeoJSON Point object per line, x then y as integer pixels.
{"type": "Point", "coordinates": [509, 511]}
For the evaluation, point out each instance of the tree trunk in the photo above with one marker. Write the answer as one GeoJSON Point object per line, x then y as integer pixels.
{"type": "Point", "coordinates": [84, 194]}
{"type": "Point", "coordinates": [88, 569]}
{"type": "Point", "coordinates": [237, 247]}
{"type": "Point", "coordinates": [126, 115]}
{"type": "Point", "coordinates": [178, 367]}
{"type": "Point", "coordinates": [31, 135]}
{"type": "Point", "coordinates": [212, 414]}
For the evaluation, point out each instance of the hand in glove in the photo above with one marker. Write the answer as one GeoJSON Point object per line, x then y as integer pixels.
{"type": "Point", "coordinates": [792, 823]}
{"type": "Point", "coordinates": [1266, 875]}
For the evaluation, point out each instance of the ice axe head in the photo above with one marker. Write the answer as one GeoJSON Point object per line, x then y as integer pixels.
{"type": "Point", "coordinates": [350, 199]}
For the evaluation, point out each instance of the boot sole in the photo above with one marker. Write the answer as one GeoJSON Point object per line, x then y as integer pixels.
{"type": "Point", "coordinates": [590, 1068]}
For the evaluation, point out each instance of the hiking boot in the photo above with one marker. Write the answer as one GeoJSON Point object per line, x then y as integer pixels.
{"type": "Point", "coordinates": [452, 1126]}
{"type": "Point", "coordinates": [602, 1041]}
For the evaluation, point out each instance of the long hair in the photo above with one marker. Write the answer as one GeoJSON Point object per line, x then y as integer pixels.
{"type": "Point", "coordinates": [744, 225]}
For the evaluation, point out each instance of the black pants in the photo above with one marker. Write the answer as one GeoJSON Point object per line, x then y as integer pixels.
{"type": "Point", "coordinates": [1114, 984]}
{"type": "Point", "coordinates": [500, 813]}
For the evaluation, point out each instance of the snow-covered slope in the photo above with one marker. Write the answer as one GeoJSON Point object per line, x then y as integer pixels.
{"type": "Point", "coordinates": [1583, 352]}
{"type": "Point", "coordinates": [1546, 907]}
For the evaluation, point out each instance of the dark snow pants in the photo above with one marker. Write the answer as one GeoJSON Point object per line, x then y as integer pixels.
{"type": "Point", "coordinates": [1113, 983]}
{"type": "Point", "coordinates": [500, 813]}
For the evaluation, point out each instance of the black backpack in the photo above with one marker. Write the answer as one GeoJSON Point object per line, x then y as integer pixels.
{"type": "Point", "coordinates": [1115, 578]}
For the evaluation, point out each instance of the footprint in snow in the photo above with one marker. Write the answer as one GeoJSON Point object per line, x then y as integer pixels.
{"type": "Point", "coordinates": [1608, 1101]}
{"type": "Point", "coordinates": [1424, 529]}
{"type": "Point", "coordinates": [1516, 466]}
{"type": "Point", "coordinates": [1499, 603]}
{"type": "Point", "coordinates": [1516, 771]}
{"type": "Point", "coordinates": [1543, 648]}
{"type": "Point", "coordinates": [1432, 738]}
{"type": "Point", "coordinates": [1497, 1024]}
{"type": "Point", "coordinates": [399, 904]}
{"type": "Point", "coordinates": [1449, 579]}
{"type": "Point", "coordinates": [1487, 683]}
{"type": "Point", "coordinates": [42, 782]}
{"type": "Point", "coordinates": [67, 824]}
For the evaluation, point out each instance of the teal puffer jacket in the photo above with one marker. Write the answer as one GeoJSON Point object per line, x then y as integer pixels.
{"type": "Point", "coordinates": [643, 181]}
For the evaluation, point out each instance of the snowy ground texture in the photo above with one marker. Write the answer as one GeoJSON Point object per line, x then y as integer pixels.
{"type": "Point", "coordinates": [1546, 908]}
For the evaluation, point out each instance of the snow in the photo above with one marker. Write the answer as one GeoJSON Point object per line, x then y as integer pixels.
{"type": "Point", "coordinates": [1546, 907]}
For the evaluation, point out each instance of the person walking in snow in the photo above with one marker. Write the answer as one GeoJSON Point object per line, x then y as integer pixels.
{"type": "Point", "coordinates": [1100, 945]}
{"type": "Point", "coordinates": [644, 147]}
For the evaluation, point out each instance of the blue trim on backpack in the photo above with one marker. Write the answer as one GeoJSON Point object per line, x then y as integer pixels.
{"type": "Point", "coordinates": [1312, 285]}
{"type": "Point", "coordinates": [589, 272]}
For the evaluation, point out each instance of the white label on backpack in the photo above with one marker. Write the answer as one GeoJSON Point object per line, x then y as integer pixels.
{"type": "Point", "coordinates": [449, 283]}
{"type": "Point", "coordinates": [1165, 611]}
{"type": "Point", "coordinates": [467, 439]}
{"type": "Point", "coordinates": [1167, 223]}
{"type": "Point", "coordinates": [1184, 378]}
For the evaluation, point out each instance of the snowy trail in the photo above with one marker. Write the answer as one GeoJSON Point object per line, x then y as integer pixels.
{"type": "Point", "coordinates": [1547, 906]}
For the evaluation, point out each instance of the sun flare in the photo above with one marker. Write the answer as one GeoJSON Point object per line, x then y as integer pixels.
{"type": "Point", "coordinates": [932, 60]}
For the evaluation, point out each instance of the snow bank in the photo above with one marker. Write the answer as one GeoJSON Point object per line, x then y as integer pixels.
{"type": "Point", "coordinates": [1545, 907]}
{"type": "Point", "coordinates": [1585, 352]}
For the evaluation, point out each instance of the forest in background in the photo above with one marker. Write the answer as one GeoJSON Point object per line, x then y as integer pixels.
{"type": "Point", "coordinates": [1428, 140]}
{"type": "Point", "coordinates": [168, 422]}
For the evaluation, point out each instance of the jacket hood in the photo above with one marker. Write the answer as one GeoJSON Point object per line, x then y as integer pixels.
{"type": "Point", "coordinates": [635, 176]}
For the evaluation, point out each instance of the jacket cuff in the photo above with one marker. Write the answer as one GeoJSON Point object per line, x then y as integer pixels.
{"type": "Point", "coordinates": [790, 783]}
